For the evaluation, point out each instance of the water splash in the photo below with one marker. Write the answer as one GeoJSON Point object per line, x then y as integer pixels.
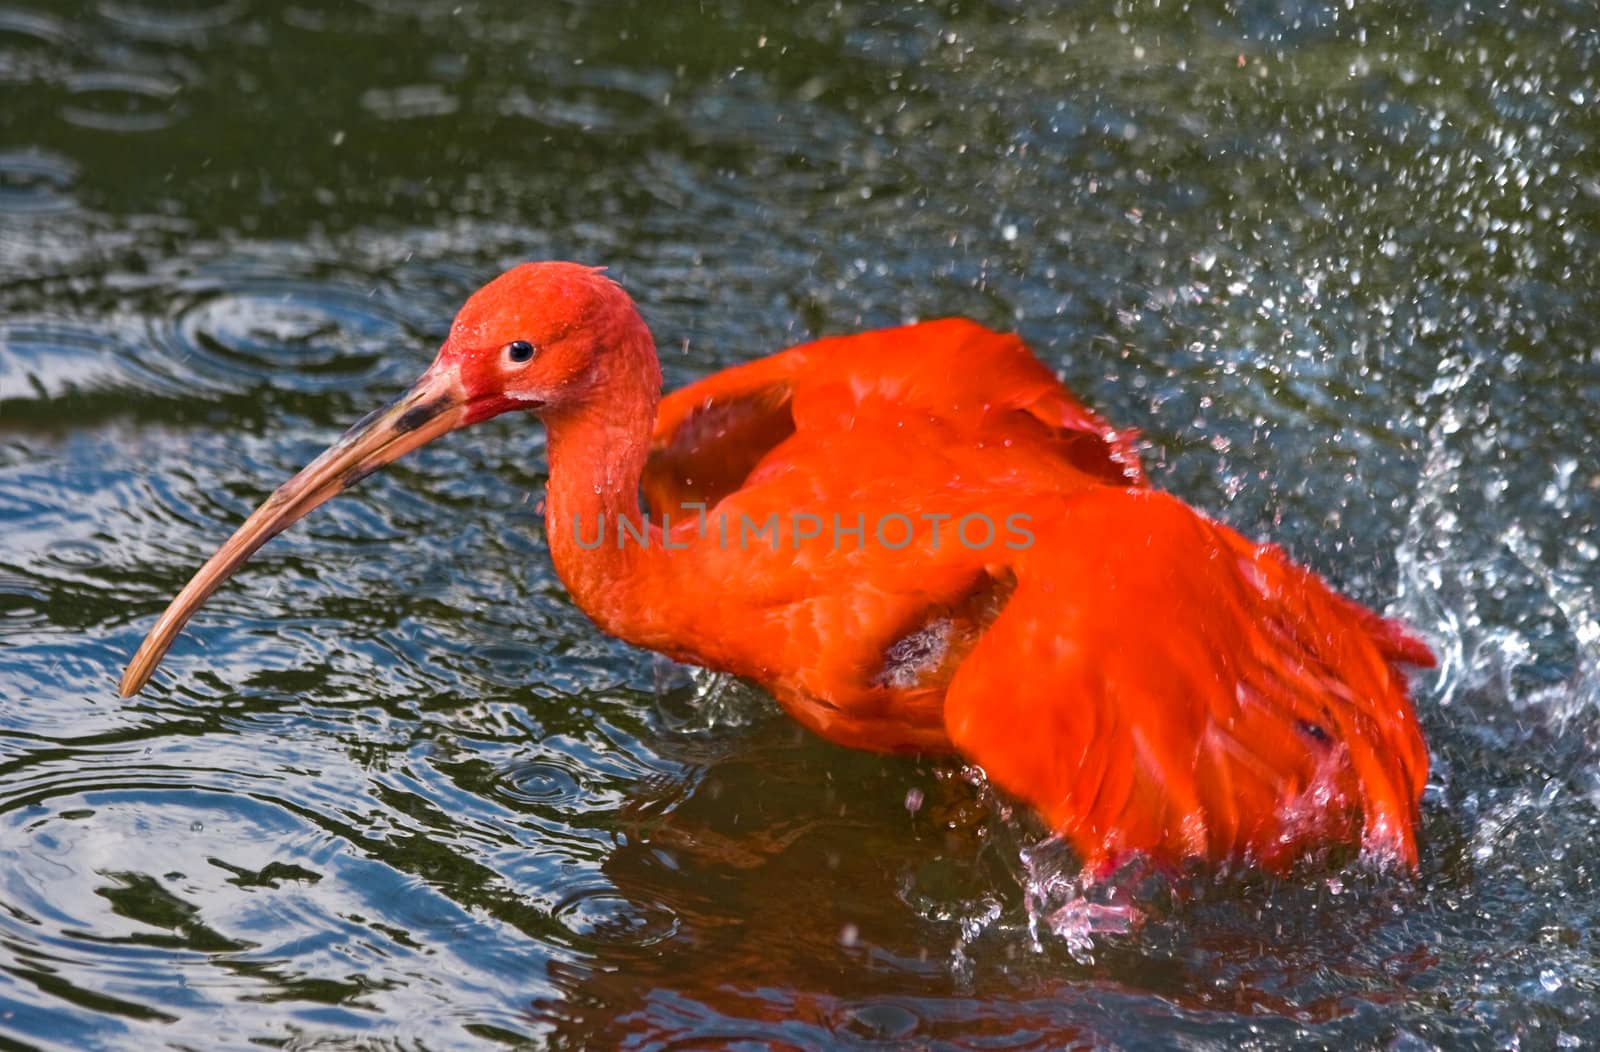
{"type": "Point", "coordinates": [1468, 548]}
{"type": "Point", "coordinates": [1068, 903]}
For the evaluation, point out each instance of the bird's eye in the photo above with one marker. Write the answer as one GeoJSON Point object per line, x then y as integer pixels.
{"type": "Point", "coordinates": [519, 350]}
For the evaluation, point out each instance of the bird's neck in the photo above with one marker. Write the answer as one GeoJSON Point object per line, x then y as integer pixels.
{"type": "Point", "coordinates": [600, 542]}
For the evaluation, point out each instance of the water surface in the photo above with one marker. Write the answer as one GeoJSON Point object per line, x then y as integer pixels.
{"type": "Point", "coordinates": [1335, 261]}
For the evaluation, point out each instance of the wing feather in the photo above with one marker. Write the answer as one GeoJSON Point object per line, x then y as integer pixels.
{"type": "Point", "coordinates": [1158, 685]}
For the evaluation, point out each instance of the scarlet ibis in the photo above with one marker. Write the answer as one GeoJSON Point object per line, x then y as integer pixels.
{"type": "Point", "coordinates": [917, 539]}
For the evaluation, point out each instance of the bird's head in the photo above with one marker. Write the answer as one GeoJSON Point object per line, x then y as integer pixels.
{"type": "Point", "coordinates": [544, 337]}
{"type": "Point", "coordinates": [549, 338]}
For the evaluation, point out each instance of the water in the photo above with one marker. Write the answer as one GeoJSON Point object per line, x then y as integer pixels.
{"type": "Point", "coordinates": [1336, 262]}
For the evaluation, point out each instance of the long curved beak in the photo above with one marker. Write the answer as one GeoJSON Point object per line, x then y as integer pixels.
{"type": "Point", "coordinates": [434, 404]}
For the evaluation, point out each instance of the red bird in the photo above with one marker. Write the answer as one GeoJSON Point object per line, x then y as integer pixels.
{"type": "Point", "coordinates": [918, 540]}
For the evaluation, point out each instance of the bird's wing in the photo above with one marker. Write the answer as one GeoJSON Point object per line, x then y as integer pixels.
{"type": "Point", "coordinates": [711, 434]}
{"type": "Point", "coordinates": [1158, 685]}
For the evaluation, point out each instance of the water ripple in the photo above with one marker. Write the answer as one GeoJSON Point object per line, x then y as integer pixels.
{"type": "Point", "coordinates": [316, 336]}
{"type": "Point", "coordinates": [35, 180]}
{"type": "Point", "coordinates": [44, 362]}
{"type": "Point", "coordinates": [600, 916]}
{"type": "Point", "coordinates": [230, 329]}
{"type": "Point", "coordinates": [544, 783]}
{"type": "Point", "coordinates": [121, 102]}
{"type": "Point", "coordinates": [114, 861]}
{"type": "Point", "coordinates": [188, 20]}
{"type": "Point", "coordinates": [33, 46]}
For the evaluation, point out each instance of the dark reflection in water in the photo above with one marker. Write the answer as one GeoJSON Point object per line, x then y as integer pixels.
{"type": "Point", "coordinates": [1336, 263]}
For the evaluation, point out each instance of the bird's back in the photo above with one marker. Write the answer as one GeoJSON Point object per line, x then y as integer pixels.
{"type": "Point", "coordinates": [711, 434]}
